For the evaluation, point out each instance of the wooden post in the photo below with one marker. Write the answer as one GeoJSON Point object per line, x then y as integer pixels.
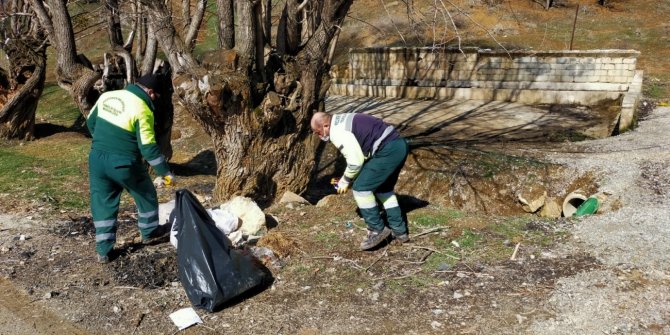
{"type": "Point", "coordinates": [574, 25]}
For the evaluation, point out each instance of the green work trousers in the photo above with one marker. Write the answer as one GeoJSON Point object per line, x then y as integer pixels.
{"type": "Point", "coordinates": [109, 175]}
{"type": "Point", "coordinates": [376, 180]}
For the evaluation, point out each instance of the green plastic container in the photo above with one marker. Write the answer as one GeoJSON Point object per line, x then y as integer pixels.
{"type": "Point", "coordinates": [590, 206]}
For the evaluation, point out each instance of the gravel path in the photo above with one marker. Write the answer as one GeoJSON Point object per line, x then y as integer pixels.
{"type": "Point", "coordinates": [630, 294]}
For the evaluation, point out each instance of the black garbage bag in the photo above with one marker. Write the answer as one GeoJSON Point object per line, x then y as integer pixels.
{"type": "Point", "coordinates": [210, 270]}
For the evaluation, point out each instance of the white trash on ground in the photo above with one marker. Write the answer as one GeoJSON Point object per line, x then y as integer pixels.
{"type": "Point", "coordinates": [226, 221]}
{"type": "Point", "coordinates": [185, 318]}
{"type": "Point", "coordinates": [240, 219]}
{"type": "Point", "coordinates": [164, 211]}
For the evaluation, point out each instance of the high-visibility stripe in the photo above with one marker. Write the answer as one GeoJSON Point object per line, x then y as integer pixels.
{"type": "Point", "coordinates": [105, 237]}
{"type": "Point", "coordinates": [388, 199]}
{"type": "Point", "coordinates": [365, 199]}
{"type": "Point", "coordinates": [147, 214]}
{"type": "Point", "coordinates": [378, 142]}
{"type": "Point", "coordinates": [104, 223]}
{"type": "Point", "coordinates": [157, 161]}
{"type": "Point", "coordinates": [147, 225]}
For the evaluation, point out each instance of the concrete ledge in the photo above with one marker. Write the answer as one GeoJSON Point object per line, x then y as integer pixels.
{"type": "Point", "coordinates": [525, 96]}
{"type": "Point", "coordinates": [526, 85]}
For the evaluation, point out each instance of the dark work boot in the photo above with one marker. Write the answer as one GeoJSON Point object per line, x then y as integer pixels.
{"type": "Point", "coordinates": [374, 238]}
{"type": "Point", "coordinates": [103, 259]}
{"type": "Point", "coordinates": [401, 238]}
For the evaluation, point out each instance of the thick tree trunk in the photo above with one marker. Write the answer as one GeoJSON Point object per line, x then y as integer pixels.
{"type": "Point", "coordinates": [260, 129]}
{"type": "Point", "coordinates": [26, 76]}
{"type": "Point", "coordinates": [71, 72]}
{"type": "Point", "coordinates": [226, 24]}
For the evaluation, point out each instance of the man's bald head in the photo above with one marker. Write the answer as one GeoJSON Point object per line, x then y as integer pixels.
{"type": "Point", "coordinates": [321, 124]}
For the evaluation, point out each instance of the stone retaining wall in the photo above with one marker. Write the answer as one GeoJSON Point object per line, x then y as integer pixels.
{"type": "Point", "coordinates": [547, 77]}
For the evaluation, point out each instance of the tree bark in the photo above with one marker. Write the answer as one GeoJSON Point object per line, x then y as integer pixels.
{"type": "Point", "coordinates": [114, 23]}
{"type": "Point", "coordinates": [260, 128]}
{"type": "Point", "coordinates": [27, 58]}
{"type": "Point", "coordinates": [226, 26]}
{"type": "Point", "coordinates": [195, 23]}
{"type": "Point", "coordinates": [71, 73]}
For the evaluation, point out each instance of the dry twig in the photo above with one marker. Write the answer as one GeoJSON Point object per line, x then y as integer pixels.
{"type": "Point", "coordinates": [430, 231]}
{"type": "Point", "coordinates": [516, 249]}
{"type": "Point", "coordinates": [433, 250]}
{"type": "Point", "coordinates": [377, 260]}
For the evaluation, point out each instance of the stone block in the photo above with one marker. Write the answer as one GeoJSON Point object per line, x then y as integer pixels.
{"type": "Point", "coordinates": [252, 217]}
{"type": "Point", "coordinates": [551, 208]}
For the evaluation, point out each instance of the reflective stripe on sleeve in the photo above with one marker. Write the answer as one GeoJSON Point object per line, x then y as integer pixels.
{"type": "Point", "coordinates": [157, 161]}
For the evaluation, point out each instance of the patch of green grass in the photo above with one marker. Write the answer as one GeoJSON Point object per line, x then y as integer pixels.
{"type": "Point", "coordinates": [34, 172]}
{"type": "Point", "coordinates": [396, 286]}
{"type": "Point", "coordinates": [440, 218]}
{"type": "Point", "coordinates": [328, 239]}
{"type": "Point", "coordinates": [437, 260]}
{"type": "Point", "coordinates": [210, 39]}
{"type": "Point", "coordinates": [57, 107]}
{"type": "Point", "coordinates": [655, 91]}
{"type": "Point", "coordinates": [491, 163]}
{"type": "Point", "coordinates": [468, 239]}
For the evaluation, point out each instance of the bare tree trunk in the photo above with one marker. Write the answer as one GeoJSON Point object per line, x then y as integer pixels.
{"type": "Point", "coordinates": [226, 24]}
{"type": "Point", "coordinates": [71, 72]}
{"type": "Point", "coordinates": [289, 30]}
{"type": "Point", "coordinates": [196, 21]}
{"type": "Point", "coordinates": [27, 58]}
{"type": "Point", "coordinates": [150, 52]}
{"type": "Point", "coordinates": [186, 13]}
{"type": "Point", "coordinates": [114, 23]}
{"type": "Point", "coordinates": [260, 129]}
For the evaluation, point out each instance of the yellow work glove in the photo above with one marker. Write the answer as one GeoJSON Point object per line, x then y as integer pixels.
{"type": "Point", "coordinates": [164, 181]}
{"type": "Point", "coordinates": [342, 186]}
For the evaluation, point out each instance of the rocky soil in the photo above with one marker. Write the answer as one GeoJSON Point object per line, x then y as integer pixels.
{"type": "Point", "coordinates": [606, 273]}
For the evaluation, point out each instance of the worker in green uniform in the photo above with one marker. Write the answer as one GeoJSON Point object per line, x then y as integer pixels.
{"type": "Point", "coordinates": [122, 126]}
{"type": "Point", "coordinates": [375, 154]}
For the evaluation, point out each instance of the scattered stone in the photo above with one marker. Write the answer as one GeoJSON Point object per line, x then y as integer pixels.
{"type": "Point", "coordinates": [116, 309]}
{"type": "Point", "coordinates": [374, 296]}
{"type": "Point", "coordinates": [292, 197]}
{"type": "Point", "coordinates": [457, 295]}
{"type": "Point", "coordinates": [50, 294]}
{"type": "Point", "coordinates": [326, 201]}
{"type": "Point", "coordinates": [435, 324]}
{"type": "Point", "coordinates": [253, 218]}
{"type": "Point", "coordinates": [437, 311]}
{"type": "Point", "coordinates": [359, 290]}
{"type": "Point", "coordinates": [455, 244]}
{"type": "Point", "coordinates": [551, 208]}
{"type": "Point", "coordinates": [532, 198]}
{"type": "Point", "coordinates": [520, 318]}
{"type": "Point", "coordinates": [443, 267]}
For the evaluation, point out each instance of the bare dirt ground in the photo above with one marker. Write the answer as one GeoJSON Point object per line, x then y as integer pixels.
{"type": "Point", "coordinates": [604, 274]}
